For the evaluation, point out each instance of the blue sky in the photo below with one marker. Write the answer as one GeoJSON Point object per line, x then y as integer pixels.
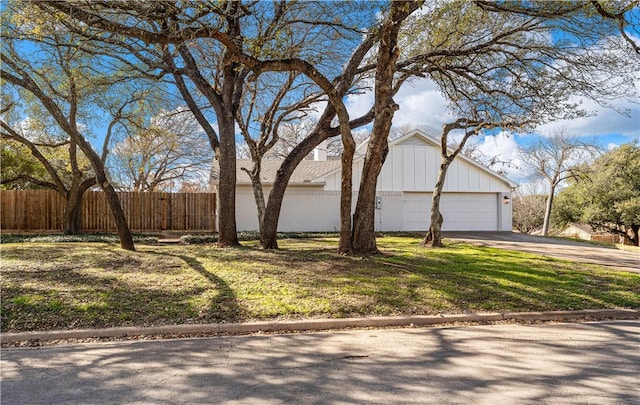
{"type": "Point", "coordinates": [422, 104]}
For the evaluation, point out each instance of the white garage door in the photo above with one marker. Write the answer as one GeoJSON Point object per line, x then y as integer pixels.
{"type": "Point", "coordinates": [461, 211]}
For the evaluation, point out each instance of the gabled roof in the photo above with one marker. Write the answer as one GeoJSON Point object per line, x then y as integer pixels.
{"type": "Point", "coordinates": [583, 227]}
{"type": "Point", "coordinates": [313, 171]}
{"type": "Point", "coordinates": [308, 171]}
{"type": "Point", "coordinates": [433, 141]}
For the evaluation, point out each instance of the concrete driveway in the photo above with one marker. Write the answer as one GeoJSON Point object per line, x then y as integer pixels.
{"type": "Point", "coordinates": [564, 249]}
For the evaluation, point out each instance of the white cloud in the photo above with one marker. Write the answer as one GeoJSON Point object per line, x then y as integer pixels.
{"type": "Point", "coordinates": [502, 146]}
{"type": "Point", "coordinates": [604, 121]}
{"type": "Point", "coordinates": [421, 104]}
{"type": "Point", "coordinates": [358, 104]}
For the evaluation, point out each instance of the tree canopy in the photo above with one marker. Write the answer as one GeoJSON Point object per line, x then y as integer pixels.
{"type": "Point", "coordinates": [555, 159]}
{"type": "Point", "coordinates": [607, 197]}
{"type": "Point", "coordinates": [161, 153]}
{"type": "Point", "coordinates": [64, 87]}
{"type": "Point", "coordinates": [511, 64]}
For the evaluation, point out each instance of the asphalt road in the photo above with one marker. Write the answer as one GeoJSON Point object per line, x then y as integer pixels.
{"type": "Point", "coordinates": [611, 258]}
{"type": "Point", "coordinates": [550, 363]}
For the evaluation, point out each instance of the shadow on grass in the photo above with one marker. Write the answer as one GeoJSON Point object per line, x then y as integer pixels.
{"type": "Point", "coordinates": [55, 288]}
{"type": "Point", "coordinates": [492, 279]}
{"type": "Point", "coordinates": [459, 278]}
{"type": "Point", "coordinates": [117, 289]}
{"type": "Point", "coordinates": [224, 304]}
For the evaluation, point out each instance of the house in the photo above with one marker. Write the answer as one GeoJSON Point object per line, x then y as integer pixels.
{"type": "Point", "coordinates": [474, 198]}
{"type": "Point", "coordinates": [586, 232]}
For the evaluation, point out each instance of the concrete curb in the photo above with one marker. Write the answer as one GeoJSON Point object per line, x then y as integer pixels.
{"type": "Point", "coordinates": [319, 324]}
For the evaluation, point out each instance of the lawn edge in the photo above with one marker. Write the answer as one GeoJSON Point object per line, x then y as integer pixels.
{"type": "Point", "coordinates": [310, 325]}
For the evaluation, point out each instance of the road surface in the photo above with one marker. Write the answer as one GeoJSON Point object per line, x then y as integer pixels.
{"type": "Point", "coordinates": [580, 363]}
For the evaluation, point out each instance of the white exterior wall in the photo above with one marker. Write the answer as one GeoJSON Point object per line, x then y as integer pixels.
{"type": "Point", "coordinates": [405, 185]}
{"type": "Point", "coordinates": [389, 216]}
{"type": "Point", "coordinates": [310, 211]}
{"type": "Point", "coordinates": [304, 209]}
{"type": "Point", "coordinates": [246, 211]}
{"type": "Point", "coordinates": [506, 212]}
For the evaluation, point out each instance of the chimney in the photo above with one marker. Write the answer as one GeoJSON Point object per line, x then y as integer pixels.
{"type": "Point", "coordinates": [320, 152]}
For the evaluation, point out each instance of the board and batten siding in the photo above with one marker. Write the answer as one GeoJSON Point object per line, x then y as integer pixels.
{"type": "Point", "coordinates": [415, 168]}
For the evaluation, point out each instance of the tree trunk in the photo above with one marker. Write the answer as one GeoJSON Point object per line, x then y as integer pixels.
{"type": "Point", "coordinates": [72, 218]}
{"type": "Point", "coordinates": [634, 238]}
{"type": "Point", "coordinates": [269, 232]}
{"type": "Point", "coordinates": [547, 211]}
{"type": "Point", "coordinates": [346, 194]}
{"type": "Point", "coordinates": [364, 238]}
{"type": "Point", "coordinates": [126, 239]}
{"type": "Point", "coordinates": [258, 195]}
{"type": "Point", "coordinates": [225, 101]}
{"type": "Point", "coordinates": [227, 231]}
{"type": "Point", "coordinates": [433, 238]}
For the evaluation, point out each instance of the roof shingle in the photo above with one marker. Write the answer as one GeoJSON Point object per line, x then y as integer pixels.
{"type": "Point", "coordinates": [307, 170]}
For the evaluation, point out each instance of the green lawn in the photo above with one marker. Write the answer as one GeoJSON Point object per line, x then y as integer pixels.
{"type": "Point", "coordinates": [79, 285]}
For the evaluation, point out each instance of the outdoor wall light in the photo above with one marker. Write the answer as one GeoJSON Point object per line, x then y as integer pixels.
{"type": "Point", "coordinates": [506, 200]}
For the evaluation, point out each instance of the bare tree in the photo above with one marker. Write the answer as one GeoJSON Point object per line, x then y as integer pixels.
{"type": "Point", "coordinates": [486, 60]}
{"type": "Point", "coordinates": [170, 148]}
{"type": "Point", "coordinates": [470, 128]}
{"type": "Point", "coordinates": [159, 23]}
{"type": "Point", "coordinates": [619, 14]}
{"type": "Point", "coordinates": [65, 82]}
{"type": "Point", "coordinates": [293, 132]}
{"type": "Point", "coordinates": [386, 86]}
{"type": "Point", "coordinates": [495, 162]}
{"type": "Point", "coordinates": [216, 46]}
{"type": "Point", "coordinates": [498, 69]}
{"type": "Point", "coordinates": [268, 104]}
{"type": "Point", "coordinates": [290, 135]}
{"type": "Point", "coordinates": [555, 159]}
{"type": "Point", "coordinates": [528, 207]}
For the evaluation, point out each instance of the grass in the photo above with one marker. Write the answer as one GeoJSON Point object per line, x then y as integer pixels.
{"type": "Point", "coordinates": [84, 237]}
{"type": "Point", "coordinates": [78, 285]}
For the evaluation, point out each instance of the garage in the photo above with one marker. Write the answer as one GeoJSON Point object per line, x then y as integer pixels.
{"type": "Point", "coordinates": [474, 197]}
{"type": "Point", "coordinates": [461, 211]}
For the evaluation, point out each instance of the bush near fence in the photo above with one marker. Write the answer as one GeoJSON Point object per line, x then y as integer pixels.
{"type": "Point", "coordinates": [42, 210]}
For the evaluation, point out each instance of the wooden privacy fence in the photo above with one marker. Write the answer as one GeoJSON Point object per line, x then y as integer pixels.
{"type": "Point", "coordinates": [42, 210]}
